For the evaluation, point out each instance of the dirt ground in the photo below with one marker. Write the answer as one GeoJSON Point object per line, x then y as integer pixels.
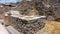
{"type": "Point", "coordinates": [51, 27]}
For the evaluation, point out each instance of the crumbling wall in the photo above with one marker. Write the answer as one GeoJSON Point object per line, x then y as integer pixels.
{"type": "Point", "coordinates": [27, 27]}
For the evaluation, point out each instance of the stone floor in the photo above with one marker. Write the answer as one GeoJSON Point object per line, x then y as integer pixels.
{"type": "Point", "coordinates": [3, 29]}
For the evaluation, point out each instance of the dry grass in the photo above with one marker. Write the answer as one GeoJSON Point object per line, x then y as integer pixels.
{"type": "Point", "coordinates": [51, 27]}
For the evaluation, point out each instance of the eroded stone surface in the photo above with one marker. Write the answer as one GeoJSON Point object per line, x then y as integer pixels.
{"type": "Point", "coordinates": [27, 27]}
